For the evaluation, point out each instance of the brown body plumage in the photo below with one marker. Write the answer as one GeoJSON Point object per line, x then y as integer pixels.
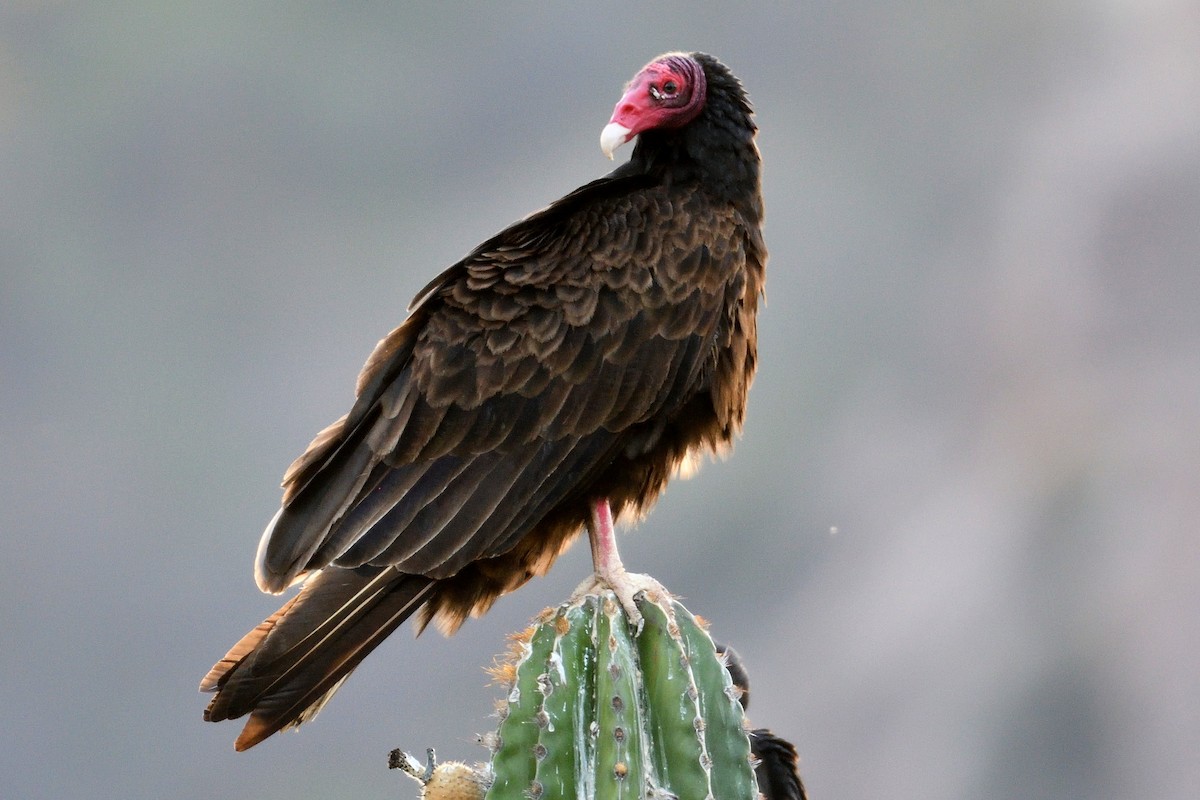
{"type": "Point", "coordinates": [581, 354]}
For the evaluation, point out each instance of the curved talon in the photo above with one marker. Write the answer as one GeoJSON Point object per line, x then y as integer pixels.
{"type": "Point", "coordinates": [626, 586]}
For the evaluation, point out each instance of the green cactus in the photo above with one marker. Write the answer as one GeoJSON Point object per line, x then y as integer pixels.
{"type": "Point", "coordinates": [595, 711]}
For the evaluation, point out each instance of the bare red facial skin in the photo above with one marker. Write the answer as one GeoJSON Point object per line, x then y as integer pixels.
{"type": "Point", "coordinates": [667, 93]}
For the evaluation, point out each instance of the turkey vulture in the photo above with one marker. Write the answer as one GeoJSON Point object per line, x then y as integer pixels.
{"type": "Point", "coordinates": [558, 374]}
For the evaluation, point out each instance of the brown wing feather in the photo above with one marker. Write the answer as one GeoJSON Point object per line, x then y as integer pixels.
{"type": "Point", "coordinates": [531, 377]}
{"type": "Point", "coordinates": [453, 395]}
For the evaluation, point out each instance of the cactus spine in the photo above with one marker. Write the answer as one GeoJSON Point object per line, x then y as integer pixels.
{"type": "Point", "coordinates": [595, 712]}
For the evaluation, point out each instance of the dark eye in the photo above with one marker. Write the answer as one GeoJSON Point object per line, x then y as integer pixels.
{"type": "Point", "coordinates": [670, 87]}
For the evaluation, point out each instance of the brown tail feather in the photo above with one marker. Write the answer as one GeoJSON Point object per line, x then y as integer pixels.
{"type": "Point", "coordinates": [284, 670]}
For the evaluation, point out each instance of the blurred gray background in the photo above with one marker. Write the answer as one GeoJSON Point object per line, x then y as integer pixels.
{"type": "Point", "coordinates": [957, 545]}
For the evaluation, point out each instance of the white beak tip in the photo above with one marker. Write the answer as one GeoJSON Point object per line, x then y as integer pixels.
{"type": "Point", "coordinates": [613, 136]}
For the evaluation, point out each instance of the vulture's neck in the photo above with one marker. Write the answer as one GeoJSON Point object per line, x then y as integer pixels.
{"type": "Point", "coordinates": [716, 150]}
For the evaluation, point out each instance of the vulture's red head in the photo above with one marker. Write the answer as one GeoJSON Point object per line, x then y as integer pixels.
{"type": "Point", "coordinates": [668, 92]}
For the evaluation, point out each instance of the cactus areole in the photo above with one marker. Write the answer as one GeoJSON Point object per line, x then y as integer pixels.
{"type": "Point", "coordinates": [594, 710]}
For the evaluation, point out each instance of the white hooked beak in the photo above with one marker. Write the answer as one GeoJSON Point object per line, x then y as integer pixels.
{"type": "Point", "coordinates": [613, 136]}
